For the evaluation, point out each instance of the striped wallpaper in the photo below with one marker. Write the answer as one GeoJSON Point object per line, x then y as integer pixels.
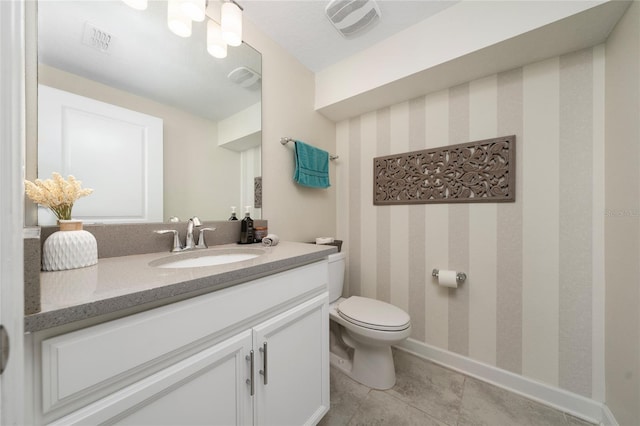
{"type": "Point", "coordinates": [527, 305]}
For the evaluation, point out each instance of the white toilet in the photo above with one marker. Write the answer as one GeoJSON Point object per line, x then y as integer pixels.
{"type": "Point", "coordinates": [362, 332]}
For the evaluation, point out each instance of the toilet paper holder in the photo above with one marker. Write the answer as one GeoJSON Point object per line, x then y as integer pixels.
{"type": "Point", "coordinates": [460, 276]}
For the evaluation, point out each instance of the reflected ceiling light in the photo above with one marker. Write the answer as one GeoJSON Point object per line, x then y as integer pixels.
{"type": "Point", "coordinates": [194, 9]}
{"type": "Point", "coordinates": [178, 22]}
{"type": "Point", "coordinates": [216, 46]}
{"type": "Point", "coordinates": [136, 4]}
{"type": "Point", "coordinates": [182, 13]}
{"type": "Point", "coordinates": [231, 23]}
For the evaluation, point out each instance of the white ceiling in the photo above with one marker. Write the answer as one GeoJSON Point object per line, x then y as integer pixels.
{"type": "Point", "coordinates": [302, 28]}
{"type": "Point", "coordinates": [142, 60]}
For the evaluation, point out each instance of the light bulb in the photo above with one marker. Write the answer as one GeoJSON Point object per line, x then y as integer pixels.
{"type": "Point", "coordinates": [231, 23]}
{"type": "Point", "coordinates": [216, 46]}
{"type": "Point", "coordinates": [178, 22]}
{"type": "Point", "coordinates": [194, 9]}
{"type": "Point", "coordinates": [136, 4]}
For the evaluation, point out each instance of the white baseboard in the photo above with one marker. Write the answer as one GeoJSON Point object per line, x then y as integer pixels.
{"type": "Point", "coordinates": [568, 402]}
{"type": "Point", "coordinates": [607, 417]}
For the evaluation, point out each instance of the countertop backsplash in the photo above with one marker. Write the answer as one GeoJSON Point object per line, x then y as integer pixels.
{"type": "Point", "coordinates": [32, 266]}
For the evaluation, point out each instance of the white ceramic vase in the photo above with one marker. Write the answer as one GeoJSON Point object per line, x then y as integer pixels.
{"type": "Point", "coordinates": [69, 248]}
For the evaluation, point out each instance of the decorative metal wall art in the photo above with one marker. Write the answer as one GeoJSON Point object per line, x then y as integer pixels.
{"type": "Point", "coordinates": [475, 172]}
{"type": "Point", "coordinates": [257, 192]}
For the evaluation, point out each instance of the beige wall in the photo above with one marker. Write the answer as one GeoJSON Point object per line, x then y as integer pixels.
{"type": "Point", "coordinates": [623, 219]}
{"type": "Point", "coordinates": [532, 303]}
{"type": "Point", "coordinates": [196, 171]}
{"type": "Point", "coordinates": [295, 213]}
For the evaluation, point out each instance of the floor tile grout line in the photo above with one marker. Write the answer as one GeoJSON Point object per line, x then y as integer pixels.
{"type": "Point", "coordinates": [358, 405]}
{"type": "Point", "coordinates": [453, 414]}
{"type": "Point", "coordinates": [408, 403]}
{"type": "Point", "coordinates": [439, 420]}
{"type": "Point", "coordinates": [464, 387]}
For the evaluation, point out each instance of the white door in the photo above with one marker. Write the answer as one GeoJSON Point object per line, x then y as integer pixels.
{"type": "Point", "coordinates": [113, 150]}
{"type": "Point", "coordinates": [292, 387]}
{"type": "Point", "coordinates": [12, 110]}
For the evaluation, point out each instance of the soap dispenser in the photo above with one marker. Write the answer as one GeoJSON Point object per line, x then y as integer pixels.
{"type": "Point", "coordinates": [233, 213]}
{"type": "Point", "coordinates": [246, 228]}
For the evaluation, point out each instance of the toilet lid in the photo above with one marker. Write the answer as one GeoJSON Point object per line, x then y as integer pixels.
{"type": "Point", "coordinates": [374, 314]}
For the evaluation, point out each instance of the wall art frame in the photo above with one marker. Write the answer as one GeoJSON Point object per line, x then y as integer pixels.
{"type": "Point", "coordinates": [257, 192]}
{"type": "Point", "coordinates": [475, 172]}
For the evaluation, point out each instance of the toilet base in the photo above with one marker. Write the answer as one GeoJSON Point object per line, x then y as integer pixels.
{"type": "Point", "coordinates": [342, 364]}
{"type": "Point", "coordinates": [371, 366]}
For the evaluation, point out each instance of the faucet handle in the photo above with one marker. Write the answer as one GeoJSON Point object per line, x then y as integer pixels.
{"type": "Point", "coordinates": [201, 242]}
{"type": "Point", "coordinates": [176, 238]}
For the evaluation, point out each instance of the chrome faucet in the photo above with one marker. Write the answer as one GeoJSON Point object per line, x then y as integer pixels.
{"type": "Point", "coordinates": [190, 242]}
{"type": "Point", "coordinates": [201, 241]}
{"type": "Point", "coordinates": [176, 238]}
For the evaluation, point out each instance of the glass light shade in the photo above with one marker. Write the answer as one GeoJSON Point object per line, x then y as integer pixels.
{"type": "Point", "coordinates": [231, 23]}
{"type": "Point", "coordinates": [178, 22]}
{"type": "Point", "coordinates": [216, 46]}
{"type": "Point", "coordinates": [136, 4]}
{"type": "Point", "coordinates": [194, 9]}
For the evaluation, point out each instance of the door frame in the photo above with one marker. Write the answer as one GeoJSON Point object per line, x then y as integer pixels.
{"type": "Point", "coordinates": [12, 161]}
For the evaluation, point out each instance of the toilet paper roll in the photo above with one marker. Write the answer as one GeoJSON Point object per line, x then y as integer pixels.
{"type": "Point", "coordinates": [447, 278]}
{"type": "Point", "coordinates": [324, 240]}
{"type": "Point", "coordinates": [271, 240]}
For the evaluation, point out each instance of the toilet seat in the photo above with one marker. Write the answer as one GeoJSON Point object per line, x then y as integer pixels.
{"type": "Point", "coordinates": [373, 314]}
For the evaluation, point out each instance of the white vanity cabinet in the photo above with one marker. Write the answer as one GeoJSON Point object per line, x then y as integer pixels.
{"type": "Point", "coordinates": [254, 353]}
{"type": "Point", "coordinates": [293, 370]}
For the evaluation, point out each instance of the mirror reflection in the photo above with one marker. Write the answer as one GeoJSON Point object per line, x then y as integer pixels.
{"type": "Point", "coordinates": [149, 120]}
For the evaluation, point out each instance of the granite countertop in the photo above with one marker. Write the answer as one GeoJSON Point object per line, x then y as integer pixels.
{"type": "Point", "coordinates": [120, 283]}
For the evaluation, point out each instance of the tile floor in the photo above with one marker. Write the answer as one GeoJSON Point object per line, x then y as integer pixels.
{"type": "Point", "coordinates": [430, 395]}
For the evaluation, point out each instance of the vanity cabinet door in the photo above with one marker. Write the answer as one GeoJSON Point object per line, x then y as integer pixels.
{"type": "Point", "coordinates": [292, 365]}
{"type": "Point", "coordinates": [208, 388]}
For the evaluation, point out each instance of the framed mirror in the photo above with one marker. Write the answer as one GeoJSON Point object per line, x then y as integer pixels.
{"type": "Point", "coordinates": [153, 123]}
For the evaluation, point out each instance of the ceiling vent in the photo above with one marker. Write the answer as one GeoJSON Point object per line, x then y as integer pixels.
{"type": "Point", "coordinates": [352, 17]}
{"type": "Point", "coordinates": [97, 38]}
{"type": "Point", "coordinates": [245, 77]}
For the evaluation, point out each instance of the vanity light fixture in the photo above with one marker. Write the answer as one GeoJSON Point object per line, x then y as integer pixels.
{"type": "Point", "coordinates": [178, 22]}
{"type": "Point", "coordinates": [182, 13]}
{"type": "Point", "coordinates": [216, 46]}
{"type": "Point", "coordinates": [231, 23]}
{"type": "Point", "coordinates": [194, 9]}
{"type": "Point", "coordinates": [136, 4]}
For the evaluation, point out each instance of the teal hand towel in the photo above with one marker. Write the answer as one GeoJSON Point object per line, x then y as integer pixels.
{"type": "Point", "coordinates": [312, 166]}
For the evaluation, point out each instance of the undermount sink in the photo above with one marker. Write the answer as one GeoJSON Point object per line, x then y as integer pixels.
{"type": "Point", "coordinates": [208, 257]}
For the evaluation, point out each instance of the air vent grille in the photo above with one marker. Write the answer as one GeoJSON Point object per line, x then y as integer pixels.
{"type": "Point", "coordinates": [245, 77]}
{"type": "Point", "coordinates": [352, 17]}
{"type": "Point", "coordinates": [96, 38]}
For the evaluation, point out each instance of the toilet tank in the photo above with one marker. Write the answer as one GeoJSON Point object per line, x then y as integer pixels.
{"type": "Point", "coordinates": [337, 263]}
